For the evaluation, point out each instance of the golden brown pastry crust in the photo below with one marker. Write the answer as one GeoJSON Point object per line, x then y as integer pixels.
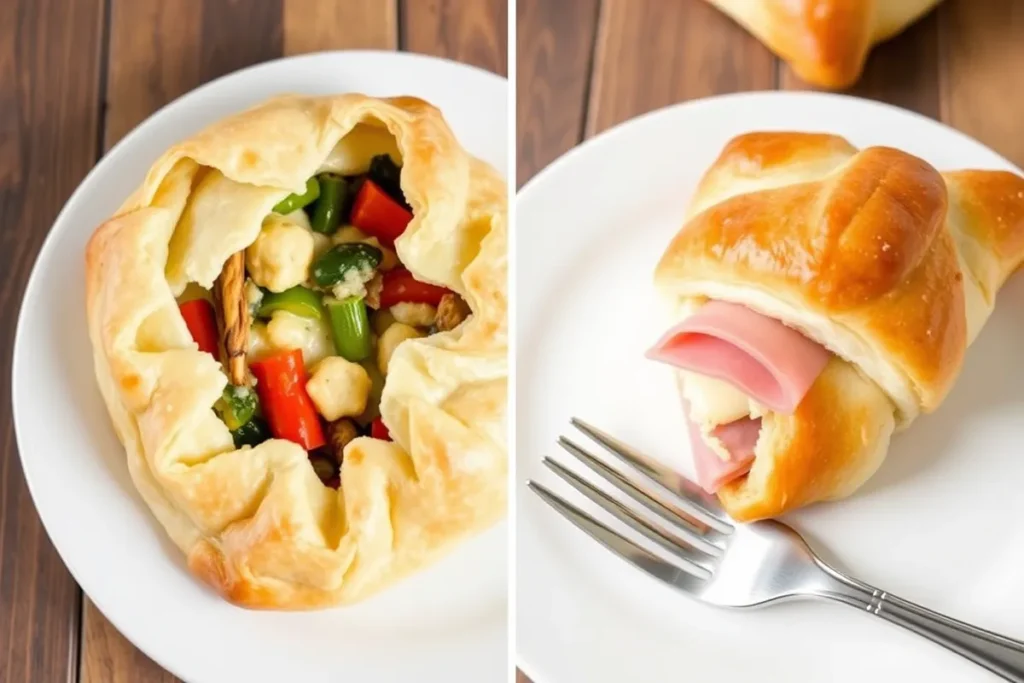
{"type": "Point", "coordinates": [863, 246]}
{"type": "Point", "coordinates": [834, 441]}
{"type": "Point", "coordinates": [826, 42]}
{"type": "Point", "coordinates": [257, 524]}
{"type": "Point", "coordinates": [876, 255]}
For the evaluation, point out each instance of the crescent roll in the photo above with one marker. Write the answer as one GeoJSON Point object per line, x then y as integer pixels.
{"type": "Point", "coordinates": [826, 42]}
{"type": "Point", "coordinates": [826, 298]}
{"type": "Point", "coordinates": [214, 259]}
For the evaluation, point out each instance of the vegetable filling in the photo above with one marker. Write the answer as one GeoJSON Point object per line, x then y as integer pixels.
{"type": "Point", "coordinates": [305, 320]}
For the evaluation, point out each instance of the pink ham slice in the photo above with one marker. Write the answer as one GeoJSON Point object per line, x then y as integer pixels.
{"type": "Point", "coordinates": [739, 439]}
{"type": "Point", "coordinates": [773, 364]}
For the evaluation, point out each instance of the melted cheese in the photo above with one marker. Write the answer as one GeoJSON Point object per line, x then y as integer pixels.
{"type": "Point", "coordinates": [354, 283]}
{"type": "Point", "coordinates": [712, 401]}
{"type": "Point", "coordinates": [288, 331]}
{"type": "Point", "coordinates": [353, 153]}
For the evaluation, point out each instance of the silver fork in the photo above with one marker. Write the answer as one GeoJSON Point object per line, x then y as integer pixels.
{"type": "Point", "coordinates": [742, 565]}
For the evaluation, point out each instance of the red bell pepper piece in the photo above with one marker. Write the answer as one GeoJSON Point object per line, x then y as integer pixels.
{"type": "Point", "coordinates": [281, 385]}
{"type": "Point", "coordinates": [379, 431]}
{"type": "Point", "coordinates": [202, 325]}
{"type": "Point", "coordinates": [378, 215]}
{"type": "Point", "coordinates": [399, 285]}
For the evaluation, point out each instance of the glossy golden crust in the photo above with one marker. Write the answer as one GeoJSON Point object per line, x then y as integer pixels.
{"type": "Point", "coordinates": [988, 209]}
{"type": "Point", "coordinates": [876, 255]}
{"type": "Point", "coordinates": [834, 441]}
{"type": "Point", "coordinates": [826, 42]}
{"type": "Point", "coordinates": [257, 524]}
{"type": "Point", "coordinates": [858, 251]}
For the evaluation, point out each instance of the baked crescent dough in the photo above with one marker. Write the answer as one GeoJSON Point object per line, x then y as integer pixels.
{"type": "Point", "coordinates": [257, 524]}
{"type": "Point", "coordinates": [873, 254]}
{"type": "Point", "coordinates": [825, 41]}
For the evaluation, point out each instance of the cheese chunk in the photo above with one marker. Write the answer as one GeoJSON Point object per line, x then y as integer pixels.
{"type": "Point", "coordinates": [713, 401]}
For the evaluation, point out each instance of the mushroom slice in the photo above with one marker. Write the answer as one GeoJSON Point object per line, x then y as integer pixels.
{"type": "Point", "coordinates": [451, 311]}
{"type": "Point", "coordinates": [233, 317]}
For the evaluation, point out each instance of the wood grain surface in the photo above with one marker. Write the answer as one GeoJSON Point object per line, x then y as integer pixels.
{"type": "Point", "coordinates": [474, 32]}
{"type": "Point", "coordinates": [555, 44]}
{"type": "Point", "coordinates": [962, 64]}
{"type": "Point", "coordinates": [50, 77]}
{"type": "Point", "coordinates": [586, 65]}
{"type": "Point", "coordinates": [75, 77]}
{"type": "Point", "coordinates": [652, 53]}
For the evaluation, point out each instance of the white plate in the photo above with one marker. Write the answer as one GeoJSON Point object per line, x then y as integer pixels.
{"type": "Point", "coordinates": [939, 524]}
{"type": "Point", "coordinates": [445, 624]}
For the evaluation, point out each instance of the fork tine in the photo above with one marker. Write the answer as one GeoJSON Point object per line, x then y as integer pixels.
{"type": "Point", "coordinates": [697, 502]}
{"type": "Point", "coordinates": [627, 550]}
{"type": "Point", "coordinates": [686, 538]}
{"type": "Point", "coordinates": [622, 483]}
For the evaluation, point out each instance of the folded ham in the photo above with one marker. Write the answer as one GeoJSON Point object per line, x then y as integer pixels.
{"type": "Point", "coordinates": [739, 439]}
{"type": "Point", "coordinates": [773, 364]}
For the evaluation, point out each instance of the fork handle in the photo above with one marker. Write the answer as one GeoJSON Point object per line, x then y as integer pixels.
{"type": "Point", "coordinates": [1001, 655]}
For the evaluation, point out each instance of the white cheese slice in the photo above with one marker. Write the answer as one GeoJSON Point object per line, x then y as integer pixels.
{"type": "Point", "coordinates": [353, 153]}
{"type": "Point", "coordinates": [713, 401]}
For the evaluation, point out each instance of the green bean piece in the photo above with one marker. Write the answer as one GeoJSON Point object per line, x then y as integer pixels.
{"type": "Point", "coordinates": [298, 300]}
{"type": "Point", "coordinates": [296, 201]}
{"type": "Point", "coordinates": [350, 326]}
{"type": "Point", "coordinates": [236, 406]}
{"type": "Point", "coordinates": [252, 433]}
{"type": "Point", "coordinates": [345, 262]}
{"type": "Point", "coordinates": [327, 214]}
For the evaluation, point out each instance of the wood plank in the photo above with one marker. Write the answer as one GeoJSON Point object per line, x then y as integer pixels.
{"type": "Point", "coordinates": [49, 126]}
{"type": "Point", "coordinates": [107, 657]}
{"type": "Point", "coordinates": [155, 53]}
{"type": "Point", "coordinates": [237, 34]}
{"type": "Point", "coordinates": [312, 25]}
{"type": "Point", "coordinates": [903, 71]}
{"type": "Point", "coordinates": [652, 53]}
{"type": "Point", "coordinates": [470, 31]}
{"type": "Point", "coordinates": [553, 57]}
{"type": "Point", "coordinates": [167, 48]}
{"type": "Point", "coordinates": [983, 55]}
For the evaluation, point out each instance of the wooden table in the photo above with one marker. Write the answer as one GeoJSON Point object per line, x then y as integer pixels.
{"type": "Point", "coordinates": [75, 76]}
{"type": "Point", "coordinates": [583, 66]}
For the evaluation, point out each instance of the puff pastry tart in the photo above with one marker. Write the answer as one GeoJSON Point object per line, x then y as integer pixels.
{"type": "Point", "coordinates": [826, 42]}
{"type": "Point", "coordinates": [825, 298]}
{"type": "Point", "coordinates": [299, 330]}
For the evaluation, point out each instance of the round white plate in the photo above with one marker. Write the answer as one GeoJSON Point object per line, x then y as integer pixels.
{"type": "Point", "coordinates": [447, 623]}
{"type": "Point", "coordinates": [939, 523]}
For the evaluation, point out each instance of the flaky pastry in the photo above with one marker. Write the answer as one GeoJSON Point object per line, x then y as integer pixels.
{"type": "Point", "coordinates": [884, 262]}
{"type": "Point", "coordinates": [256, 523]}
{"type": "Point", "coordinates": [825, 41]}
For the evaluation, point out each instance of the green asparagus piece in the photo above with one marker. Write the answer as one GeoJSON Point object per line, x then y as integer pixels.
{"type": "Point", "coordinates": [296, 201]}
{"type": "Point", "coordinates": [236, 406]}
{"type": "Point", "coordinates": [350, 326]}
{"type": "Point", "coordinates": [346, 261]}
{"type": "Point", "coordinates": [298, 300]}
{"type": "Point", "coordinates": [327, 214]}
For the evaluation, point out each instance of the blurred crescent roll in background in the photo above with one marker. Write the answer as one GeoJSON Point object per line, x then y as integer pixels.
{"type": "Point", "coordinates": [825, 41]}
